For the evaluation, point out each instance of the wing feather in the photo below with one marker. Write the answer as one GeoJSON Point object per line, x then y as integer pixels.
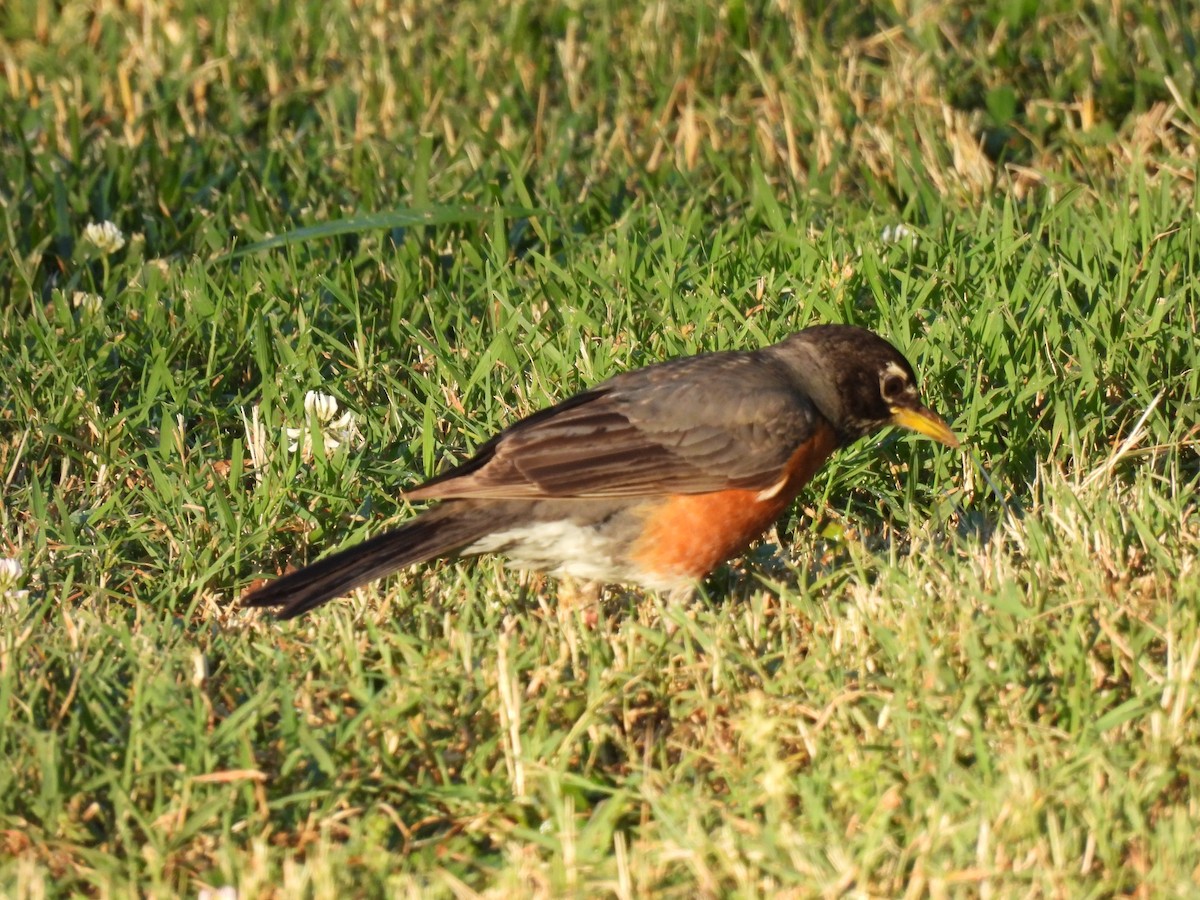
{"type": "Point", "coordinates": [695, 425]}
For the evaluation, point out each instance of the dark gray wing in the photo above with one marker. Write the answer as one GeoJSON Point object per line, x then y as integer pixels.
{"type": "Point", "coordinates": [695, 425]}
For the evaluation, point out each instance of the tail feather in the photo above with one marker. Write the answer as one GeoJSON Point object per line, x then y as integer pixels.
{"type": "Point", "coordinates": [437, 532]}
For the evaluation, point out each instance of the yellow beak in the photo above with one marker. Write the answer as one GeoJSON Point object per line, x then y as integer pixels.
{"type": "Point", "coordinates": [924, 421]}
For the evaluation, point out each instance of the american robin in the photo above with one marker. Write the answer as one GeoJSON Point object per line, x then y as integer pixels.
{"type": "Point", "coordinates": [654, 477]}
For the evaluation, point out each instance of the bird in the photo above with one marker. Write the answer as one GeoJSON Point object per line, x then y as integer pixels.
{"type": "Point", "coordinates": [653, 478]}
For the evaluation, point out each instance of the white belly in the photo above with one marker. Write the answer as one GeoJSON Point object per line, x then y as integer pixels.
{"type": "Point", "coordinates": [566, 548]}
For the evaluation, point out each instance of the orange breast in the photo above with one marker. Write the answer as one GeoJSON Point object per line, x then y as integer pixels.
{"type": "Point", "coordinates": [689, 535]}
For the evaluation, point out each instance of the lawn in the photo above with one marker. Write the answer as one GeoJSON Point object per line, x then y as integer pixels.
{"type": "Point", "coordinates": [945, 673]}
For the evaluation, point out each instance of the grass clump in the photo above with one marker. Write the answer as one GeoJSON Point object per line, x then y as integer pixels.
{"type": "Point", "coordinates": [942, 675]}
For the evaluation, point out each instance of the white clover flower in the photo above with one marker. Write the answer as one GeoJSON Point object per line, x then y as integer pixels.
{"type": "Point", "coordinates": [104, 236]}
{"type": "Point", "coordinates": [10, 576]}
{"type": "Point", "coordinates": [898, 234]}
{"type": "Point", "coordinates": [322, 408]}
{"type": "Point", "coordinates": [10, 572]}
{"type": "Point", "coordinates": [222, 893]}
{"type": "Point", "coordinates": [87, 302]}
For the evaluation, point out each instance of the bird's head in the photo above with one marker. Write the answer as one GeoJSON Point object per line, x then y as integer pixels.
{"type": "Point", "coordinates": [859, 382]}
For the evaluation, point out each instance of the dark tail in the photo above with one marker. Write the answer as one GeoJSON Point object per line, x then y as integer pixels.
{"type": "Point", "coordinates": [436, 532]}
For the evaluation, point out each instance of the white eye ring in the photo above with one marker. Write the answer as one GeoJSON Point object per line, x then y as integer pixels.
{"type": "Point", "coordinates": [893, 382]}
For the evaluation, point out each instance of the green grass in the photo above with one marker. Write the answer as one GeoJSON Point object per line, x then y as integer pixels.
{"type": "Point", "coordinates": [945, 674]}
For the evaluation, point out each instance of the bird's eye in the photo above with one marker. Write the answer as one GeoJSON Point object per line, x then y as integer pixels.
{"type": "Point", "coordinates": [892, 386]}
